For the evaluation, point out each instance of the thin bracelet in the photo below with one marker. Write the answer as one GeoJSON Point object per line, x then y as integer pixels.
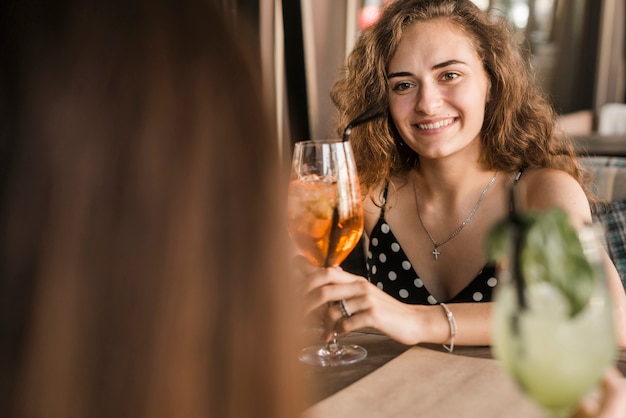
{"type": "Point", "coordinates": [453, 330]}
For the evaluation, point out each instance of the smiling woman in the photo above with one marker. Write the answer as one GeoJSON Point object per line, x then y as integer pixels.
{"type": "Point", "coordinates": [466, 122]}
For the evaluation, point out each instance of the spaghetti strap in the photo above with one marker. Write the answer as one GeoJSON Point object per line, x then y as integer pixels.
{"type": "Point", "coordinates": [384, 201]}
{"type": "Point", "coordinates": [514, 191]}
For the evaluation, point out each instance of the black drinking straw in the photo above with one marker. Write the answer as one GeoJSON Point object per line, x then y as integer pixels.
{"type": "Point", "coordinates": [333, 239]}
{"type": "Point", "coordinates": [361, 119]}
{"type": "Point", "coordinates": [519, 229]}
{"type": "Point", "coordinates": [519, 235]}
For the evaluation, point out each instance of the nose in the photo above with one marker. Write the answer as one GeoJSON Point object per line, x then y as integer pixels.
{"type": "Point", "coordinates": [429, 98]}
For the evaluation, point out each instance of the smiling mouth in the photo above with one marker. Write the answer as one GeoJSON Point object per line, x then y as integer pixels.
{"type": "Point", "coordinates": [436, 125]}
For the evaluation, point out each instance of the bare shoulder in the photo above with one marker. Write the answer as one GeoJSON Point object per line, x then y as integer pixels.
{"type": "Point", "coordinates": [539, 178]}
{"type": "Point", "coordinates": [543, 188]}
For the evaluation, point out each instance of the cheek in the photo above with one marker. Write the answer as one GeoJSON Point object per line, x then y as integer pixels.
{"type": "Point", "coordinates": [473, 101]}
{"type": "Point", "coordinates": [398, 112]}
{"type": "Point", "coordinates": [475, 111]}
{"type": "Point", "coordinates": [399, 106]}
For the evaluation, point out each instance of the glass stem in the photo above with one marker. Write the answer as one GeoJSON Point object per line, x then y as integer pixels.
{"type": "Point", "coordinates": [333, 346]}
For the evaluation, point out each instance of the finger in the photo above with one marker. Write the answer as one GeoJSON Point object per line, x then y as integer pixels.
{"type": "Point", "coordinates": [343, 308]}
{"type": "Point", "coordinates": [318, 277]}
{"type": "Point", "coordinates": [602, 402]}
{"type": "Point", "coordinates": [335, 292]}
{"type": "Point", "coordinates": [316, 318]}
{"type": "Point", "coordinates": [336, 313]}
{"type": "Point", "coordinates": [337, 321]}
{"type": "Point", "coordinates": [331, 327]}
{"type": "Point", "coordinates": [345, 325]}
{"type": "Point", "coordinates": [614, 402]}
{"type": "Point", "coordinates": [588, 407]}
{"type": "Point", "coordinates": [303, 265]}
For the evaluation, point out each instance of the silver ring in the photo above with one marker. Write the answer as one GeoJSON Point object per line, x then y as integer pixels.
{"type": "Point", "coordinates": [344, 309]}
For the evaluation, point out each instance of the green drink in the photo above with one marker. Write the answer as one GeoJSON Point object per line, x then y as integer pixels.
{"type": "Point", "coordinates": [559, 344]}
{"type": "Point", "coordinates": [555, 359]}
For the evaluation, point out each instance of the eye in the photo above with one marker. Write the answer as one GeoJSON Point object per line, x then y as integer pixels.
{"type": "Point", "coordinates": [449, 76]}
{"type": "Point", "coordinates": [402, 86]}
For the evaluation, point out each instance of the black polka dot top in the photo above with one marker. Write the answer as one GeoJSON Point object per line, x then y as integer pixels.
{"type": "Point", "coordinates": [389, 268]}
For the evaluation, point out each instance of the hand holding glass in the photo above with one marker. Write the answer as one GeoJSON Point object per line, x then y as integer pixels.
{"type": "Point", "coordinates": [325, 221]}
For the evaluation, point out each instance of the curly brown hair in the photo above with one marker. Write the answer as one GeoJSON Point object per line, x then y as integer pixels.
{"type": "Point", "coordinates": [519, 129]}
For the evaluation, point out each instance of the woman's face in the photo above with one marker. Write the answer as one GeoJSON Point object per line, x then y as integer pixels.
{"type": "Point", "coordinates": [438, 89]}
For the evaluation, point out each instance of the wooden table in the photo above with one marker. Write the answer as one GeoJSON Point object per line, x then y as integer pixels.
{"type": "Point", "coordinates": [467, 383]}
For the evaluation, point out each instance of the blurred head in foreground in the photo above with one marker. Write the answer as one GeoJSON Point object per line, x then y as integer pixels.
{"type": "Point", "coordinates": [139, 212]}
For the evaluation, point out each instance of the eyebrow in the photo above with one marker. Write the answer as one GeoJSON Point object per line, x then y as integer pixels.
{"type": "Point", "coordinates": [435, 67]}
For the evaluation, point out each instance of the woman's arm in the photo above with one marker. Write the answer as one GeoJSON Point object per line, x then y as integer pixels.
{"type": "Point", "coordinates": [370, 307]}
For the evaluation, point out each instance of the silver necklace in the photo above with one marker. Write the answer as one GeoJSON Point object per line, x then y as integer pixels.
{"type": "Point", "coordinates": [436, 253]}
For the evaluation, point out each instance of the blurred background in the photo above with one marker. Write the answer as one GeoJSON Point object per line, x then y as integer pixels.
{"type": "Point", "coordinates": [576, 46]}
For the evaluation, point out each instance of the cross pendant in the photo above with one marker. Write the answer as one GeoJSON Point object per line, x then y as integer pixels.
{"type": "Point", "coordinates": [436, 254]}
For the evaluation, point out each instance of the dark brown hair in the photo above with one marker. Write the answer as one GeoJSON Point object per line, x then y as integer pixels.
{"type": "Point", "coordinates": [140, 260]}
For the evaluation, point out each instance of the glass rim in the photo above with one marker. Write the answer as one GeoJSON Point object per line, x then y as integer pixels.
{"type": "Point", "coordinates": [319, 141]}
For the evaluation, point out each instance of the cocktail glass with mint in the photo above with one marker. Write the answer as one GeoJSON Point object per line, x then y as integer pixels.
{"type": "Point", "coordinates": [553, 328]}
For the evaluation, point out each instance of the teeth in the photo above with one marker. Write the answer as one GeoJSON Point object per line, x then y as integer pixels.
{"type": "Point", "coordinates": [435, 125]}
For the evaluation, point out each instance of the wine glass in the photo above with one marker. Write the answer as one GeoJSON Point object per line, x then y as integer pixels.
{"type": "Point", "coordinates": [325, 221]}
{"type": "Point", "coordinates": [554, 335]}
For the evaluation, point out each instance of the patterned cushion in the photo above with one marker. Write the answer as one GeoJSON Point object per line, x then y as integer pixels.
{"type": "Point", "coordinates": [610, 185]}
{"type": "Point", "coordinates": [609, 176]}
{"type": "Point", "coordinates": [614, 222]}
